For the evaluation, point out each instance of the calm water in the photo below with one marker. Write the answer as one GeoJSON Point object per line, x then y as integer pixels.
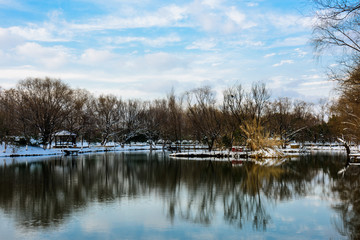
{"type": "Point", "coordinates": [149, 196]}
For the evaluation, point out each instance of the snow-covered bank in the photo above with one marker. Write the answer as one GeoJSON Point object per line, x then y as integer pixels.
{"type": "Point", "coordinates": [16, 151]}
{"type": "Point", "coordinates": [261, 157]}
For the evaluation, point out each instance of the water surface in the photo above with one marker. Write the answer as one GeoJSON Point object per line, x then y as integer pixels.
{"type": "Point", "coordinates": [149, 196]}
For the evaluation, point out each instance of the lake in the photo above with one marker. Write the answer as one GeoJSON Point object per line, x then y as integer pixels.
{"type": "Point", "coordinates": [149, 196]}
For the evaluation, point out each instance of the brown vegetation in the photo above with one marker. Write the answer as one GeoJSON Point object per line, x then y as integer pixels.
{"type": "Point", "coordinates": [337, 27]}
{"type": "Point", "coordinates": [37, 108]}
{"type": "Point", "coordinates": [258, 138]}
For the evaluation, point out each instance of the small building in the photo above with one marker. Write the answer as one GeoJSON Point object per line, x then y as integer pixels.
{"type": "Point", "coordinates": [65, 139]}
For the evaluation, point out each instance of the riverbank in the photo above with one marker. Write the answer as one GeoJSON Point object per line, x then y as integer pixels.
{"type": "Point", "coordinates": [31, 151]}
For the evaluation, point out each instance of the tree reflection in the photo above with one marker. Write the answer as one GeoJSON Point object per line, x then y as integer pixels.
{"type": "Point", "coordinates": [243, 202]}
{"type": "Point", "coordinates": [42, 194]}
{"type": "Point", "coordinates": [348, 190]}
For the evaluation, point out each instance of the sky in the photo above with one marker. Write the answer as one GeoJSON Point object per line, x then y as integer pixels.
{"type": "Point", "coordinates": [144, 48]}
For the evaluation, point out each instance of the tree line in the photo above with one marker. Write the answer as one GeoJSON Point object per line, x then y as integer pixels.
{"type": "Point", "coordinates": [37, 108]}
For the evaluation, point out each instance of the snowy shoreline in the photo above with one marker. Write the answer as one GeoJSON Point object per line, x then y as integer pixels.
{"type": "Point", "coordinates": [31, 151]}
{"type": "Point", "coordinates": [16, 151]}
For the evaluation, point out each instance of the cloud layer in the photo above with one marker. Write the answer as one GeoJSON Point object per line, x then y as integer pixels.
{"type": "Point", "coordinates": [151, 46]}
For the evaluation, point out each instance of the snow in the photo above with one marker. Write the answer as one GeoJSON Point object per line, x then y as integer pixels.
{"type": "Point", "coordinates": [64, 133]}
{"type": "Point", "coordinates": [23, 151]}
{"type": "Point", "coordinates": [262, 157]}
{"type": "Point", "coordinates": [26, 151]}
{"type": "Point", "coordinates": [266, 153]}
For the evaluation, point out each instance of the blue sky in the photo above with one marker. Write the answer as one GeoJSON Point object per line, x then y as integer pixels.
{"type": "Point", "coordinates": [144, 48]}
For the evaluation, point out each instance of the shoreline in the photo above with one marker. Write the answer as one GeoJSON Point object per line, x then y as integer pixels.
{"type": "Point", "coordinates": [14, 151]}
{"type": "Point", "coordinates": [37, 151]}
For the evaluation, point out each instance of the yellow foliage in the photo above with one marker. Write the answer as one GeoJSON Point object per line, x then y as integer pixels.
{"type": "Point", "coordinates": [257, 137]}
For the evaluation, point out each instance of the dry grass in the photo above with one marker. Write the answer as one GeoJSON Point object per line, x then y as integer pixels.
{"type": "Point", "coordinates": [258, 138]}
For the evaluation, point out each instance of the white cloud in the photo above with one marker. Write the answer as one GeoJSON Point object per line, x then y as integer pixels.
{"type": "Point", "coordinates": [155, 42]}
{"type": "Point", "coordinates": [315, 83]}
{"type": "Point", "coordinates": [236, 16]}
{"type": "Point", "coordinates": [248, 43]}
{"type": "Point", "coordinates": [212, 3]}
{"type": "Point", "coordinates": [252, 4]}
{"type": "Point", "coordinates": [289, 22]}
{"type": "Point", "coordinates": [315, 80]}
{"type": "Point", "coordinates": [54, 29]}
{"type": "Point", "coordinates": [314, 76]}
{"type": "Point", "coordinates": [51, 31]}
{"type": "Point", "coordinates": [11, 4]}
{"type": "Point", "coordinates": [10, 76]}
{"type": "Point", "coordinates": [162, 61]}
{"type": "Point", "coordinates": [93, 56]}
{"type": "Point", "coordinates": [203, 16]}
{"type": "Point", "coordinates": [166, 16]}
{"type": "Point", "coordinates": [300, 52]}
{"type": "Point", "coordinates": [282, 62]}
{"type": "Point", "coordinates": [203, 44]}
{"type": "Point", "coordinates": [223, 19]}
{"type": "Point", "coordinates": [35, 33]}
{"type": "Point", "coordinates": [279, 81]}
{"type": "Point", "coordinates": [292, 42]}
{"type": "Point", "coordinates": [239, 19]}
{"type": "Point", "coordinates": [8, 39]}
{"type": "Point", "coordinates": [312, 87]}
{"type": "Point", "coordinates": [117, 3]}
{"type": "Point", "coordinates": [269, 55]}
{"type": "Point", "coordinates": [51, 57]}
{"type": "Point", "coordinates": [173, 12]}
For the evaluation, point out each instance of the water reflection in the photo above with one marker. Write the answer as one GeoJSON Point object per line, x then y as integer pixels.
{"type": "Point", "coordinates": [45, 193]}
{"type": "Point", "coordinates": [348, 208]}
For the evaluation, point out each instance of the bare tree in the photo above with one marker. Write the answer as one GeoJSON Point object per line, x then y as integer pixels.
{"type": "Point", "coordinates": [302, 119]}
{"type": "Point", "coordinates": [241, 108]}
{"type": "Point", "coordinates": [80, 120]}
{"type": "Point", "coordinates": [279, 117]}
{"type": "Point", "coordinates": [107, 116]}
{"type": "Point", "coordinates": [132, 119]}
{"type": "Point", "coordinates": [176, 119]}
{"type": "Point", "coordinates": [256, 101]}
{"type": "Point", "coordinates": [337, 25]}
{"type": "Point", "coordinates": [347, 114]}
{"type": "Point", "coordinates": [154, 120]}
{"type": "Point", "coordinates": [234, 99]}
{"type": "Point", "coordinates": [289, 119]}
{"type": "Point", "coordinates": [8, 115]}
{"type": "Point", "coordinates": [234, 114]}
{"type": "Point", "coordinates": [204, 115]}
{"type": "Point", "coordinates": [45, 105]}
